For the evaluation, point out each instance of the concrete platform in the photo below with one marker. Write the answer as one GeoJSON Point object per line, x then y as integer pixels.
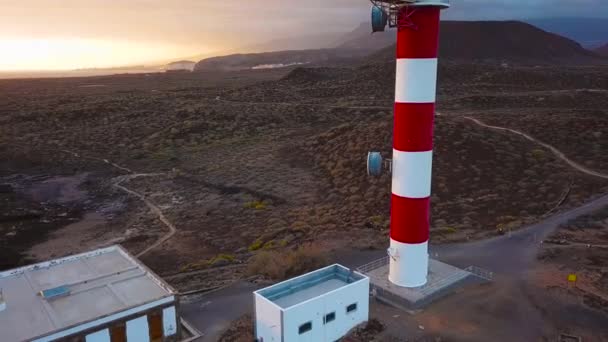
{"type": "Point", "coordinates": [442, 280]}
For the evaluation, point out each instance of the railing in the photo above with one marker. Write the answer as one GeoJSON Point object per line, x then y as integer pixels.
{"type": "Point", "coordinates": [480, 273]}
{"type": "Point", "coordinates": [365, 269]}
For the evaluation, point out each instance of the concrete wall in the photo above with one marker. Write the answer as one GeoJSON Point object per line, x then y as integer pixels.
{"type": "Point", "coordinates": [272, 326]}
{"type": "Point", "coordinates": [268, 319]}
{"type": "Point", "coordinates": [138, 330]}
{"type": "Point", "coordinates": [315, 310]}
{"type": "Point", "coordinates": [169, 321]}
{"type": "Point", "coordinates": [100, 336]}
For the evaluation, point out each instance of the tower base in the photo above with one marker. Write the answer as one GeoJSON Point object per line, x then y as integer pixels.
{"type": "Point", "coordinates": [442, 280]}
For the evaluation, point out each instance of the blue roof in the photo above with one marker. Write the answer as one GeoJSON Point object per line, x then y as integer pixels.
{"type": "Point", "coordinates": [310, 285]}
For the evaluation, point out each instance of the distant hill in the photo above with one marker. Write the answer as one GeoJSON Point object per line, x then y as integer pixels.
{"type": "Point", "coordinates": [278, 59]}
{"type": "Point", "coordinates": [180, 66]}
{"type": "Point", "coordinates": [362, 38]}
{"type": "Point", "coordinates": [501, 40]}
{"type": "Point", "coordinates": [603, 50]}
{"type": "Point", "coordinates": [589, 32]}
{"type": "Point", "coordinates": [460, 40]}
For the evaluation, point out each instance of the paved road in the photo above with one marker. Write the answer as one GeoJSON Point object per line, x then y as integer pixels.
{"type": "Point", "coordinates": [507, 255]}
{"type": "Point", "coordinates": [512, 254]}
{"type": "Point", "coordinates": [211, 314]}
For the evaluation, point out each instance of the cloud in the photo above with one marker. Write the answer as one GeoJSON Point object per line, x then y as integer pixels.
{"type": "Point", "coordinates": [227, 24]}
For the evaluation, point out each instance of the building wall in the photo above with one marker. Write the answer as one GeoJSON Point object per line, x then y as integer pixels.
{"type": "Point", "coordinates": [315, 310]}
{"type": "Point", "coordinates": [100, 336]}
{"type": "Point", "coordinates": [170, 322]}
{"type": "Point", "coordinates": [138, 329]}
{"type": "Point", "coordinates": [276, 324]}
{"type": "Point", "coordinates": [135, 325]}
{"type": "Point", "coordinates": [267, 320]}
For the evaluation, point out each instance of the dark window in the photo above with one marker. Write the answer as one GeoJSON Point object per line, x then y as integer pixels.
{"type": "Point", "coordinates": [351, 308]}
{"type": "Point", "coordinates": [304, 328]}
{"type": "Point", "coordinates": [329, 317]}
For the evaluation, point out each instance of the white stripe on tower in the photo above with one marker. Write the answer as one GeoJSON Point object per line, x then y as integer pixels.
{"type": "Point", "coordinates": [415, 93]}
{"type": "Point", "coordinates": [412, 173]}
{"type": "Point", "coordinates": [416, 80]}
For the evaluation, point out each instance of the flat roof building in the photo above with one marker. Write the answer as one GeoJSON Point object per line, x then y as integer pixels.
{"type": "Point", "coordinates": [100, 296]}
{"type": "Point", "coordinates": [323, 305]}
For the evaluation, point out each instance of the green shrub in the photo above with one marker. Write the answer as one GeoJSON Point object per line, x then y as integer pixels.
{"type": "Point", "coordinates": [257, 205]}
{"type": "Point", "coordinates": [221, 257]}
{"type": "Point", "coordinates": [279, 265]}
{"type": "Point", "coordinates": [257, 244]}
{"type": "Point", "coordinates": [268, 245]}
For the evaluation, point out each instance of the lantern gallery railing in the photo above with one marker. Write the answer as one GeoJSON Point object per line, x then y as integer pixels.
{"type": "Point", "coordinates": [386, 12]}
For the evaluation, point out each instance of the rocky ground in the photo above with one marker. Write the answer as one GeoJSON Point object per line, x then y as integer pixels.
{"type": "Point", "coordinates": [579, 248]}
{"type": "Point", "coordinates": [254, 161]}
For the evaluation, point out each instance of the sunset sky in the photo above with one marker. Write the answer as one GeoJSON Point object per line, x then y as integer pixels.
{"type": "Point", "coordinates": [69, 34]}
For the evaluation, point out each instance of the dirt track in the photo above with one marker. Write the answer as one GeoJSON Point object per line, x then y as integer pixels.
{"type": "Point", "coordinates": [554, 150]}
{"type": "Point", "coordinates": [155, 209]}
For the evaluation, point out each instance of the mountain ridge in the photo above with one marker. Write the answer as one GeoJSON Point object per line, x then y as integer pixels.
{"type": "Point", "coordinates": [501, 40]}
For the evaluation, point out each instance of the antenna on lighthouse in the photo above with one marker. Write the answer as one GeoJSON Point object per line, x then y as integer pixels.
{"type": "Point", "coordinates": [386, 12]}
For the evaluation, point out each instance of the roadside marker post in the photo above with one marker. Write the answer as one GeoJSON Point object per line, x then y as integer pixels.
{"type": "Point", "coordinates": [572, 278]}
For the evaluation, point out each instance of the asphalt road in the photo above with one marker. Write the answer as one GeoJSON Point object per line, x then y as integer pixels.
{"type": "Point", "coordinates": [512, 254]}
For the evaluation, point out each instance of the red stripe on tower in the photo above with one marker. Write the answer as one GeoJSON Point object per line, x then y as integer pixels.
{"type": "Point", "coordinates": [415, 92]}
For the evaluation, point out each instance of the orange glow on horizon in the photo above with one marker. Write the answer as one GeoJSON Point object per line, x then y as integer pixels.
{"type": "Point", "coordinates": [77, 53]}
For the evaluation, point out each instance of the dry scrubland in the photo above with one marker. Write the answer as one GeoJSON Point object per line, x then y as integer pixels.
{"type": "Point", "coordinates": [258, 162]}
{"type": "Point", "coordinates": [581, 247]}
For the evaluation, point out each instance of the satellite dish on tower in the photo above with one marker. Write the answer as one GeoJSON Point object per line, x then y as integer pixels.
{"type": "Point", "coordinates": [376, 165]}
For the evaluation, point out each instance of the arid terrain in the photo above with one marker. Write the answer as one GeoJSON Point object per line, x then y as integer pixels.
{"type": "Point", "coordinates": [262, 160]}
{"type": "Point", "coordinates": [580, 248]}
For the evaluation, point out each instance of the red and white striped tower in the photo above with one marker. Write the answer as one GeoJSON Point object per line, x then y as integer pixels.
{"type": "Point", "coordinates": [417, 48]}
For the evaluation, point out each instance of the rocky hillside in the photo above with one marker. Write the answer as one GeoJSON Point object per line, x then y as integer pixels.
{"type": "Point", "coordinates": [586, 31]}
{"type": "Point", "coordinates": [277, 59]}
{"type": "Point", "coordinates": [603, 50]}
{"type": "Point", "coordinates": [460, 41]}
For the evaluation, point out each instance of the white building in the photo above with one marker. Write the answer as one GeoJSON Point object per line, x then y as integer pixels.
{"type": "Point", "coordinates": [101, 296]}
{"type": "Point", "coordinates": [323, 305]}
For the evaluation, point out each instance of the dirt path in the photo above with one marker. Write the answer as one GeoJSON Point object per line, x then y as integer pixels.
{"type": "Point", "coordinates": [77, 155]}
{"type": "Point", "coordinates": [150, 204]}
{"type": "Point", "coordinates": [554, 150]}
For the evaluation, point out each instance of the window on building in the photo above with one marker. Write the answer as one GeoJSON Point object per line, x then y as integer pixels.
{"type": "Point", "coordinates": [304, 328]}
{"type": "Point", "coordinates": [329, 317]}
{"type": "Point", "coordinates": [351, 308]}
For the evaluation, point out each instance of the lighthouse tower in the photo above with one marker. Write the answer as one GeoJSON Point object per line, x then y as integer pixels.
{"type": "Point", "coordinates": [417, 22]}
{"type": "Point", "coordinates": [415, 92]}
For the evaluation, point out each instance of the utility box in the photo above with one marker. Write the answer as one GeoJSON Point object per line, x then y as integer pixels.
{"type": "Point", "coordinates": [323, 305]}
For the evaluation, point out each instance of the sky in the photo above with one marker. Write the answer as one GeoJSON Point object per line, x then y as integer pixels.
{"type": "Point", "coordinates": [71, 34]}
